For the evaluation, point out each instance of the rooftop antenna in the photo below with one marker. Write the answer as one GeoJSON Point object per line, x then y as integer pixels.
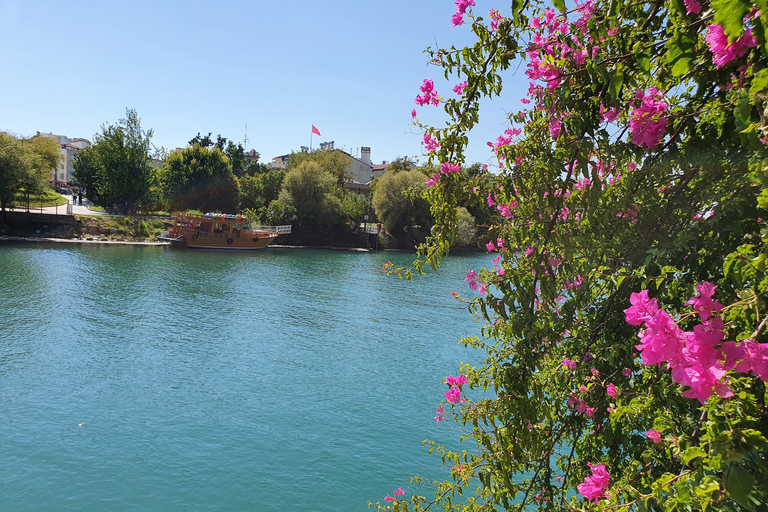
{"type": "Point", "coordinates": [245, 140]}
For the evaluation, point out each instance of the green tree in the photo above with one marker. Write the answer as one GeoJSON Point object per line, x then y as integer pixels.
{"type": "Point", "coordinates": [87, 172]}
{"type": "Point", "coordinates": [625, 356]}
{"type": "Point", "coordinates": [400, 163]}
{"type": "Point", "coordinates": [25, 165]}
{"type": "Point", "coordinates": [116, 169]}
{"type": "Point", "coordinates": [466, 229]}
{"type": "Point", "coordinates": [353, 209]}
{"type": "Point", "coordinates": [258, 190]}
{"type": "Point", "coordinates": [201, 178]}
{"type": "Point", "coordinates": [314, 195]}
{"type": "Point", "coordinates": [43, 156]}
{"type": "Point", "coordinates": [399, 206]}
{"type": "Point", "coordinates": [332, 161]}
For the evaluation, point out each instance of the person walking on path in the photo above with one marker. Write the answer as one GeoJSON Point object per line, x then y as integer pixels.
{"type": "Point", "coordinates": [80, 196]}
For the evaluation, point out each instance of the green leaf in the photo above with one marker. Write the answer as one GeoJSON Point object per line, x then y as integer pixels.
{"type": "Point", "coordinates": [730, 14]}
{"type": "Point", "coordinates": [644, 63]}
{"type": "Point", "coordinates": [559, 5]}
{"type": "Point", "coordinates": [691, 453]}
{"type": "Point", "coordinates": [739, 485]}
{"type": "Point", "coordinates": [617, 79]}
{"type": "Point", "coordinates": [760, 82]}
{"type": "Point", "coordinates": [681, 52]}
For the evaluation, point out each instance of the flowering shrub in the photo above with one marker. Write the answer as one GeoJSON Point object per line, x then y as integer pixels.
{"type": "Point", "coordinates": [625, 354]}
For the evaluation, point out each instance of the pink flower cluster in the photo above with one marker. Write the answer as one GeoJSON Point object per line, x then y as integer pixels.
{"type": "Point", "coordinates": [692, 7]}
{"type": "Point", "coordinates": [582, 406]}
{"type": "Point", "coordinates": [649, 121]}
{"type": "Point", "coordinates": [576, 282]}
{"type": "Point", "coordinates": [491, 246]}
{"type": "Point", "coordinates": [430, 94]}
{"type": "Point", "coordinates": [496, 17]}
{"type": "Point", "coordinates": [594, 486]}
{"type": "Point", "coordinates": [449, 167]}
{"type": "Point", "coordinates": [445, 168]}
{"type": "Point", "coordinates": [472, 280]}
{"type": "Point", "coordinates": [455, 383]}
{"type": "Point", "coordinates": [461, 9]}
{"type": "Point", "coordinates": [608, 115]}
{"type": "Point", "coordinates": [654, 435]}
{"type": "Point", "coordinates": [722, 52]}
{"type": "Point", "coordinates": [430, 143]}
{"type": "Point", "coordinates": [398, 492]}
{"type": "Point", "coordinates": [459, 88]}
{"type": "Point", "coordinates": [698, 359]}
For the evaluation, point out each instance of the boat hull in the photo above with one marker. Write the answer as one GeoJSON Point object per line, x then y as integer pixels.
{"type": "Point", "coordinates": [189, 241]}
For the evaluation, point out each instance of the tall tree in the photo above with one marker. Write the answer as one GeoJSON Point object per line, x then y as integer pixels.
{"type": "Point", "coordinates": [14, 165]}
{"type": "Point", "coordinates": [332, 161]}
{"type": "Point", "coordinates": [116, 169]}
{"type": "Point", "coordinates": [201, 178]}
{"type": "Point", "coordinates": [315, 197]}
{"type": "Point", "coordinates": [25, 165]}
{"type": "Point", "coordinates": [399, 206]}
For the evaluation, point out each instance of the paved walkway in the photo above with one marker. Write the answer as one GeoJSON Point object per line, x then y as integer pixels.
{"type": "Point", "coordinates": [62, 208]}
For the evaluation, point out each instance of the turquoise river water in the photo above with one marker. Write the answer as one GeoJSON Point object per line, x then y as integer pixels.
{"type": "Point", "coordinates": [143, 378]}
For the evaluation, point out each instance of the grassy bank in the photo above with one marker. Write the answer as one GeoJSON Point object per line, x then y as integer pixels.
{"type": "Point", "coordinates": [121, 228]}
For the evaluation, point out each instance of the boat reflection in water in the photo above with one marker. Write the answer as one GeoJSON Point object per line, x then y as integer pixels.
{"type": "Point", "coordinates": [219, 231]}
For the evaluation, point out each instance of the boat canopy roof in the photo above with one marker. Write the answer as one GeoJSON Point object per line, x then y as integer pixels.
{"type": "Point", "coordinates": [221, 217]}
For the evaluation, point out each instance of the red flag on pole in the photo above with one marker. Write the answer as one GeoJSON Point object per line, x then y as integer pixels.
{"type": "Point", "coordinates": [316, 131]}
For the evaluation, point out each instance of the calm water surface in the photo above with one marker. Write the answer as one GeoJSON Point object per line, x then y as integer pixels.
{"type": "Point", "coordinates": [142, 378]}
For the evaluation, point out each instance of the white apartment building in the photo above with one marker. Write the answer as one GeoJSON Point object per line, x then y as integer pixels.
{"type": "Point", "coordinates": [69, 148]}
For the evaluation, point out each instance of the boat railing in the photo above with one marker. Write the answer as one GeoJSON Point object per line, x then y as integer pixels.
{"type": "Point", "coordinates": [280, 230]}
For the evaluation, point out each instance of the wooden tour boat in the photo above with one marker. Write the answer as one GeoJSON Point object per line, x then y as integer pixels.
{"type": "Point", "coordinates": [219, 231]}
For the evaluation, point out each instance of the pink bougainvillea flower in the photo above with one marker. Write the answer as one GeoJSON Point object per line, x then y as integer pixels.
{"type": "Point", "coordinates": [389, 498]}
{"type": "Point", "coordinates": [722, 52]}
{"type": "Point", "coordinates": [692, 6]}
{"type": "Point", "coordinates": [703, 303]}
{"type": "Point", "coordinates": [430, 143]}
{"type": "Point", "coordinates": [655, 435]}
{"type": "Point", "coordinates": [496, 17]}
{"type": "Point", "coordinates": [432, 180]}
{"type": "Point", "coordinates": [453, 395]}
{"type": "Point", "coordinates": [490, 246]}
{"type": "Point", "coordinates": [449, 167]}
{"type": "Point", "coordinates": [608, 115]}
{"type": "Point", "coordinates": [626, 372]}
{"type": "Point", "coordinates": [459, 88]}
{"type": "Point", "coordinates": [648, 121]}
{"type": "Point", "coordinates": [430, 95]}
{"type": "Point", "coordinates": [399, 492]}
{"type": "Point", "coordinates": [456, 381]}
{"type": "Point", "coordinates": [611, 390]}
{"type": "Point", "coordinates": [413, 113]}
{"type": "Point", "coordinates": [594, 486]}
{"type": "Point", "coordinates": [642, 308]}
{"type": "Point", "coordinates": [569, 364]}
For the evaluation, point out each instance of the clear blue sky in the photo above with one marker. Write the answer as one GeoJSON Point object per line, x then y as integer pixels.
{"type": "Point", "coordinates": [351, 68]}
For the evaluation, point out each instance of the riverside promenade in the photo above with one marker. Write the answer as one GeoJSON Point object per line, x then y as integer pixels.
{"type": "Point", "coordinates": [62, 209]}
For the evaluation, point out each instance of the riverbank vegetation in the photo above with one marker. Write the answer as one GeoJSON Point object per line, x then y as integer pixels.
{"type": "Point", "coordinates": [624, 315]}
{"type": "Point", "coordinates": [25, 164]}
